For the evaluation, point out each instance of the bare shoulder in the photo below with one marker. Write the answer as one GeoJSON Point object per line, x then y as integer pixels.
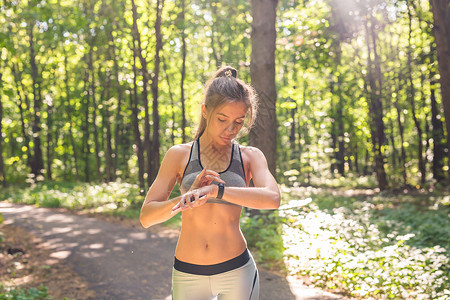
{"type": "Point", "coordinates": [253, 159]}
{"type": "Point", "coordinates": [250, 153]}
{"type": "Point", "coordinates": [178, 156]}
{"type": "Point", "coordinates": [179, 149]}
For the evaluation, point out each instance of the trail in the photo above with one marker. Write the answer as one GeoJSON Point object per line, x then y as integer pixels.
{"type": "Point", "coordinates": [120, 262]}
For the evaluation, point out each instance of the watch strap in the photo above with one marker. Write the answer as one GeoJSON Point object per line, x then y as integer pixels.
{"type": "Point", "coordinates": [220, 191]}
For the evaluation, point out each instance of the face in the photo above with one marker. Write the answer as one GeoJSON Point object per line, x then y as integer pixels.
{"type": "Point", "coordinates": [225, 122]}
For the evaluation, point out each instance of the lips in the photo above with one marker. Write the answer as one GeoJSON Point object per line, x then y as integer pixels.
{"type": "Point", "coordinates": [226, 138]}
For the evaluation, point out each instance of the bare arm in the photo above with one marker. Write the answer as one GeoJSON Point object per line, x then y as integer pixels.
{"type": "Point", "coordinates": [157, 207]}
{"type": "Point", "coordinates": [265, 194]}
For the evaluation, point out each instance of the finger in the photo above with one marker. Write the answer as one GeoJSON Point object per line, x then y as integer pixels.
{"type": "Point", "coordinates": [201, 174]}
{"type": "Point", "coordinates": [183, 203]}
{"type": "Point", "coordinates": [211, 172]}
{"type": "Point", "coordinates": [191, 200]}
{"type": "Point", "coordinates": [212, 178]}
{"type": "Point", "coordinates": [199, 177]}
{"type": "Point", "coordinates": [175, 209]}
{"type": "Point", "coordinates": [202, 200]}
{"type": "Point", "coordinates": [197, 196]}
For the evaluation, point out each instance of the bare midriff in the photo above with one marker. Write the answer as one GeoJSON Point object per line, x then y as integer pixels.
{"type": "Point", "coordinates": [210, 234]}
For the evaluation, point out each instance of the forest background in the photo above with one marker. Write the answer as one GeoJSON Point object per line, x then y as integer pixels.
{"type": "Point", "coordinates": [97, 91]}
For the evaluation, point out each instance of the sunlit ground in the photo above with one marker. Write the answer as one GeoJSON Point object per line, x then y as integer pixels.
{"type": "Point", "coordinates": [371, 244]}
{"type": "Point", "coordinates": [368, 243]}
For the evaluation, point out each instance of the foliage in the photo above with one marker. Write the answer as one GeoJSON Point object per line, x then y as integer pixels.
{"type": "Point", "coordinates": [264, 237]}
{"type": "Point", "coordinates": [24, 294]}
{"type": "Point", "coordinates": [114, 196]}
{"type": "Point", "coordinates": [369, 248]}
{"type": "Point", "coordinates": [84, 65]}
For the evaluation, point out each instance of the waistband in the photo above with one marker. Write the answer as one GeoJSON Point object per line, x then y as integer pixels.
{"type": "Point", "coordinates": [215, 269]}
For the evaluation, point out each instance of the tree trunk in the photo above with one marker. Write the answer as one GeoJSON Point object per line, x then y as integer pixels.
{"type": "Point", "coordinates": [2, 168]}
{"type": "Point", "coordinates": [154, 86]}
{"type": "Point", "coordinates": [118, 119]}
{"type": "Point", "coordinates": [19, 89]}
{"type": "Point", "coordinates": [92, 91]}
{"type": "Point", "coordinates": [68, 109]}
{"type": "Point", "coordinates": [392, 89]}
{"type": "Point", "coordinates": [85, 129]}
{"type": "Point", "coordinates": [172, 105]}
{"type": "Point", "coordinates": [356, 161]}
{"type": "Point", "coordinates": [136, 132]}
{"type": "Point", "coordinates": [392, 138]}
{"type": "Point", "coordinates": [340, 155]}
{"type": "Point", "coordinates": [144, 73]}
{"type": "Point", "coordinates": [107, 125]}
{"type": "Point", "coordinates": [375, 105]}
{"type": "Point", "coordinates": [37, 165]}
{"type": "Point", "coordinates": [49, 138]}
{"type": "Point", "coordinates": [292, 136]}
{"type": "Point", "coordinates": [398, 84]}
{"type": "Point", "coordinates": [262, 71]}
{"type": "Point", "coordinates": [441, 29]}
{"type": "Point", "coordinates": [183, 70]}
{"type": "Point", "coordinates": [333, 134]}
{"type": "Point", "coordinates": [411, 98]}
{"type": "Point", "coordinates": [437, 134]}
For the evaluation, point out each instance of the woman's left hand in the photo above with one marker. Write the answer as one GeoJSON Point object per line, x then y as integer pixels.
{"type": "Point", "coordinates": [195, 198]}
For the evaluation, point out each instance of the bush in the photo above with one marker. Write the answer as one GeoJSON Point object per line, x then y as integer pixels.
{"type": "Point", "coordinates": [22, 294]}
{"type": "Point", "coordinates": [264, 237]}
{"type": "Point", "coordinates": [397, 252]}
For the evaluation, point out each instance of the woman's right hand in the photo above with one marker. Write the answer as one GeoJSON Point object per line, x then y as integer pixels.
{"type": "Point", "coordinates": [195, 198]}
{"type": "Point", "coordinates": [205, 178]}
{"type": "Point", "coordinates": [197, 194]}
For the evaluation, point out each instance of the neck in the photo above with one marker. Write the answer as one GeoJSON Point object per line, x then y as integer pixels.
{"type": "Point", "coordinates": [208, 143]}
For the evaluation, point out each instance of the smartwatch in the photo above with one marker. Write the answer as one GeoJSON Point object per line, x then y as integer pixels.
{"type": "Point", "coordinates": [220, 191]}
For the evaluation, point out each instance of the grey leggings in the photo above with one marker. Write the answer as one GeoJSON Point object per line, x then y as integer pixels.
{"type": "Point", "coordinates": [241, 283]}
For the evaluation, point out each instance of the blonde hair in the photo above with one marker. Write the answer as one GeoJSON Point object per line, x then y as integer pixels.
{"type": "Point", "coordinates": [224, 87]}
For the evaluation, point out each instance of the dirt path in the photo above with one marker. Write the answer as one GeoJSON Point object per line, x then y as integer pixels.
{"type": "Point", "coordinates": [120, 262]}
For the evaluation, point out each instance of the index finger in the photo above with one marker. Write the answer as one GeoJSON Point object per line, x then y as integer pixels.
{"type": "Point", "coordinates": [212, 178]}
{"type": "Point", "coordinates": [211, 172]}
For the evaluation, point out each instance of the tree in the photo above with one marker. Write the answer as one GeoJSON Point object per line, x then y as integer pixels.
{"type": "Point", "coordinates": [2, 168]}
{"type": "Point", "coordinates": [37, 165]}
{"type": "Point", "coordinates": [183, 68]}
{"type": "Point", "coordinates": [375, 103]}
{"type": "Point", "coordinates": [144, 74]}
{"type": "Point", "coordinates": [262, 72]}
{"type": "Point", "coordinates": [441, 15]}
{"type": "Point", "coordinates": [154, 86]}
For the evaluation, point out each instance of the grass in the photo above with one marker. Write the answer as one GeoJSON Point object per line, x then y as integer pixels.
{"type": "Point", "coordinates": [24, 294]}
{"type": "Point", "coordinates": [371, 244]}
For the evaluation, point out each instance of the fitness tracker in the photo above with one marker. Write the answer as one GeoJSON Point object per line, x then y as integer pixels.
{"type": "Point", "coordinates": [220, 191]}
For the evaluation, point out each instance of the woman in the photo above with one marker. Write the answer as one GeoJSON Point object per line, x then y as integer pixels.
{"type": "Point", "coordinates": [213, 171]}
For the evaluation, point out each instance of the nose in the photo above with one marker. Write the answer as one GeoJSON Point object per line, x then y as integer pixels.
{"type": "Point", "coordinates": [231, 128]}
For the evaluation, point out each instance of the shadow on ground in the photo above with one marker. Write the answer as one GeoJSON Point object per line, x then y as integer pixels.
{"type": "Point", "coordinates": [120, 262]}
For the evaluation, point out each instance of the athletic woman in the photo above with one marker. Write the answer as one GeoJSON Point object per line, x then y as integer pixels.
{"type": "Point", "coordinates": [214, 171]}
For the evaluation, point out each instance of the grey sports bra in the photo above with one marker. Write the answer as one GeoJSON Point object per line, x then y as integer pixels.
{"type": "Point", "coordinates": [234, 175]}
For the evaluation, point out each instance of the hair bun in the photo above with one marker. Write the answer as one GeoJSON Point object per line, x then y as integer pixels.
{"type": "Point", "coordinates": [227, 72]}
